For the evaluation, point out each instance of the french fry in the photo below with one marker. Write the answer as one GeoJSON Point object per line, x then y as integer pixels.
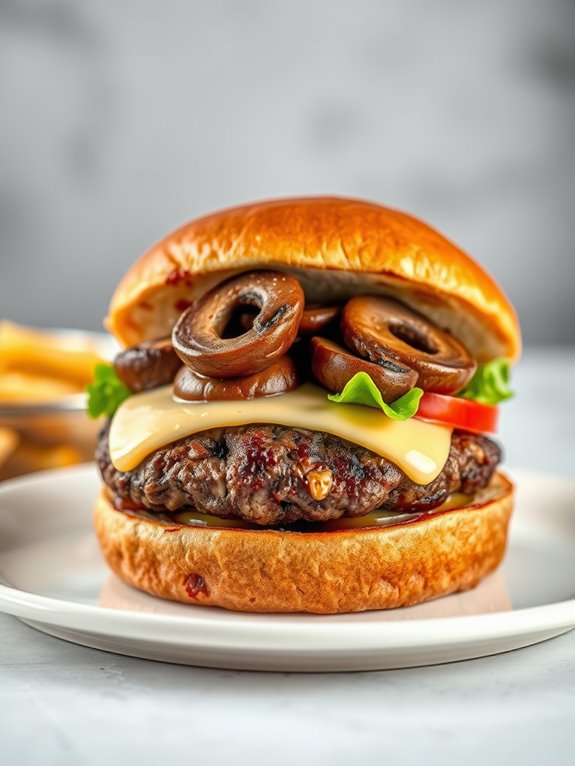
{"type": "Point", "coordinates": [31, 457]}
{"type": "Point", "coordinates": [40, 369]}
{"type": "Point", "coordinates": [24, 387]}
{"type": "Point", "coordinates": [44, 354]}
{"type": "Point", "coordinates": [9, 441]}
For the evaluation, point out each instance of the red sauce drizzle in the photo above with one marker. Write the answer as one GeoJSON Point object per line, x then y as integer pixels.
{"type": "Point", "coordinates": [195, 584]}
{"type": "Point", "coordinates": [125, 504]}
{"type": "Point", "coordinates": [183, 304]}
{"type": "Point", "coordinates": [179, 276]}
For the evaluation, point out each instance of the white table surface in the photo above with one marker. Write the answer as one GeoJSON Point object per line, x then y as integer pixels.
{"type": "Point", "coordinates": [65, 704]}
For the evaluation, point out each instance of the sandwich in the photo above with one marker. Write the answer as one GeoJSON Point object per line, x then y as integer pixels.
{"type": "Point", "coordinates": [300, 418]}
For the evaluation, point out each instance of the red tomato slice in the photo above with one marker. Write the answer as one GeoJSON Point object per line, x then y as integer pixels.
{"type": "Point", "coordinates": [458, 413]}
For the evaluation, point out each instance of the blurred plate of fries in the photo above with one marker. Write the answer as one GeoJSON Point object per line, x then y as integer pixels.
{"type": "Point", "coordinates": [43, 376]}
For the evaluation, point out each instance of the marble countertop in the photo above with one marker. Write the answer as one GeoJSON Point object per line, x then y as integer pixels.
{"type": "Point", "coordinates": [66, 704]}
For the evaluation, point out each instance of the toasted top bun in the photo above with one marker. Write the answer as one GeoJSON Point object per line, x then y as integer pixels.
{"type": "Point", "coordinates": [336, 248]}
{"type": "Point", "coordinates": [324, 572]}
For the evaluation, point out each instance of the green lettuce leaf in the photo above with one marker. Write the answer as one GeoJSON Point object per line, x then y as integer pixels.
{"type": "Point", "coordinates": [106, 392]}
{"type": "Point", "coordinates": [490, 384]}
{"type": "Point", "coordinates": [362, 390]}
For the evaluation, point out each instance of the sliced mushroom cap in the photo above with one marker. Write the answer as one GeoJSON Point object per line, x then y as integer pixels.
{"type": "Point", "coordinates": [149, 365]}
{"type": "Point", "coordinates": [383, 330]}
{"type": "Point", "coordinates": [316, 319]}
{"type": "Point", "coordinates": [199, 335]}
{"type": "Point", "coordinates": [279, 377]}
{"type": "Point", "coordinates": [333, 366]}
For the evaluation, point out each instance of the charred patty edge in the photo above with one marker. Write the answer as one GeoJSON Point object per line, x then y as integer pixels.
{"type": "Point", "coordinates": [272, 475]}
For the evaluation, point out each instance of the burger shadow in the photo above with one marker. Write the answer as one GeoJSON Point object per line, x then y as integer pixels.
{"type": "Point", "coordinates": [490, 596]}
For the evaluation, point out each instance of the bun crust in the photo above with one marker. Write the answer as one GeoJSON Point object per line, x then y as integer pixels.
{"type": "Point", "coordinates": [326, 573]}
{"type": "Point", "coordinates": [322, 240]}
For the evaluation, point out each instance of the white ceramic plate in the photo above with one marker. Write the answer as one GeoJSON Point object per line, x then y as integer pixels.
{"type": "Point", "coordinates": [52, 577]}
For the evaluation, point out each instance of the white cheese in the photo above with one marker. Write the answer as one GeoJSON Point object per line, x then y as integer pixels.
{"type": "Point", "coordinates": [150, 420]}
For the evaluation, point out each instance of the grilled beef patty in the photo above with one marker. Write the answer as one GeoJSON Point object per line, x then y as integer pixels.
{"type": "Point", "coordinates": [274, 475]}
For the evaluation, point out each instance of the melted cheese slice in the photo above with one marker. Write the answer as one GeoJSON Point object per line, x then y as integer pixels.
{"type": "Point", "coordinates": [150, 420]}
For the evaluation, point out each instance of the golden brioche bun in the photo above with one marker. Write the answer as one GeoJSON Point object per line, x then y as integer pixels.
{"type": "Point", "coordinates": [323, 572]}
{"type": "Point", "coordinates": [336, 247]}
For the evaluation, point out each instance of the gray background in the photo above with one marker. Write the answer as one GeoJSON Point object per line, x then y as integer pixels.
{"type": "Point", "coordinates": [120, 120]}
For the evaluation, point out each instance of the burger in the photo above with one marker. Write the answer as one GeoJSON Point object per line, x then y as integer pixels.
{"type": "Point", "coordinates": [298, 419]}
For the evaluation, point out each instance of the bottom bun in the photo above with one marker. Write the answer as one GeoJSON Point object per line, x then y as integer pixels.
{"type": "Point", "coordinates": [349, 570]}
